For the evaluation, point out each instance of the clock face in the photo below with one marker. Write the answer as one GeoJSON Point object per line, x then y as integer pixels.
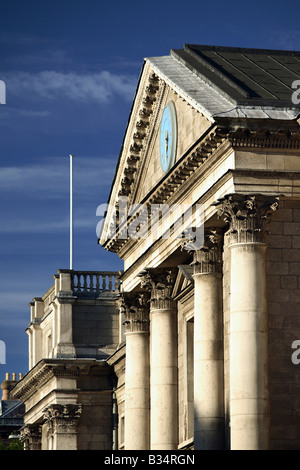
{"type": "Point", "coordinates": [168, 137]}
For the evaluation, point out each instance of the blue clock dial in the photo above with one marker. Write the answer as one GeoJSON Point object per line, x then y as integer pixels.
{"type": "Point", "coordinates": [168, 137]}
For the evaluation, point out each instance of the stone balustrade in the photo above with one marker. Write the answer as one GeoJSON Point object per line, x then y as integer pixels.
{"type": "Point", "coordinates": [94, 282]}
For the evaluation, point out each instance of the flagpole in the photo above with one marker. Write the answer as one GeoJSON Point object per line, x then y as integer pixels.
{"type": "Point", "coordinates": [71, 211]}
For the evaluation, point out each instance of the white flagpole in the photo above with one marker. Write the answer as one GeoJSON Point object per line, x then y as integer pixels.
{"type": "Point", "coordinates": [71, 211]}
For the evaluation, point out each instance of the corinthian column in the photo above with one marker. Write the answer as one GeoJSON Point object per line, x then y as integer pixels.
{"type": "Point", "coordinates": [31, 436]}
{"type": "Point", "coordinates": [60, 424]}
{"type": "Point", "coordinates": [137, 372]}
{"type": "Point", "coordinates": [208, 344]}
{"type": "Point", "coordinates": [249, 387]}
{"type": "Point", "coordinates": [163, 369]}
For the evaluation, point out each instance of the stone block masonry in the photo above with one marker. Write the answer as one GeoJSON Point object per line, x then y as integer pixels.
{"type": "Point", "coordinates": [283, 282]}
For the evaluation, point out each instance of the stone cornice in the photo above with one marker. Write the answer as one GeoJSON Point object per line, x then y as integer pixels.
{"type": "Point", "coordinates": [239, 133]}
{"type": "Point", "coordinates": [143, 122]}
{"type": "Point", "coordinates": [148, 96]}
{"type": "Point", "coordinates": [237, 138]}
{"type": "Point", "coordinates": [181, 172]}
{"type": "Point", "coordinates": [265, 138]}
{"type": "Point", "coordinates": [46, 369]}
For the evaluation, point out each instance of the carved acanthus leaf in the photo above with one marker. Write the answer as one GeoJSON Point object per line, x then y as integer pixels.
{"type": "Point", "coordinates": [247, 216]}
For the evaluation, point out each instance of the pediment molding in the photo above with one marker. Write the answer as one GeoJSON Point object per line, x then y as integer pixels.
{"type": "Point", "coordinates": [237, 133]}
{"type": "Point", "coordinates": [144, 115]}
{"type": "Point", "coordinates": [236, 137]}
{"type": "Point", "coordinates": [161, 193]}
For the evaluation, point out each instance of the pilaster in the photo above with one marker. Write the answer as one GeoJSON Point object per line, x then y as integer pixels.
{"type": "Point", "coordinates": [60, 424]}
{"type": "Point", "coordinates": [63, 304]}
{"type": "Point", "coordinates": [31, 436]}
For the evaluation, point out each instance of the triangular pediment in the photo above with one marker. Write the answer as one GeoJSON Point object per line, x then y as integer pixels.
{"type": "Point", "coordinates": [139, 169]}
{"type": "Point", "coordinates": [189, 125]}
{"type": "Point", "coordinates": [212, 100]}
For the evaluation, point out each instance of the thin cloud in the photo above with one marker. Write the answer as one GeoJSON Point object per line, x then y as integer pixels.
{"type": "Point", "coordinates": [287, 39]}
{"type": "Point", "coordinates": [45, 187]}
{"type": "Point", "coordinates": [97, 87]}
{"type": "Point", "coordinates": [51, 178]}
{"type": "Point", "coordinates": [35, 226]}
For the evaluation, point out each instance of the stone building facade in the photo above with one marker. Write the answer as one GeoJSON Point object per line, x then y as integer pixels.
{"type": "Point", "coordinates": [211, 307]}
{"type": "Point", "coordinates": [204, 211]}
{"type": "Point", "coordinates": [68, 392]}
{"type": "Point", "coordinates": [11, 411]}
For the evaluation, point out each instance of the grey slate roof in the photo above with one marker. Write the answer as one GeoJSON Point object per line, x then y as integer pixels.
{"type": "Point", "coordinates": [233, 82]}
{"type": "Point", "coordinates": [12, 413]}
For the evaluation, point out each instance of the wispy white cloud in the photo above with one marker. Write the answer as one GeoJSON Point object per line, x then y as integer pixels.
{"type": "Point", "coordinates": [44, 191]}
{"type": "Point", "coordinates": [287, 39]}
{"type": "Point", "coordinates": [50, 178]}
{"type": "Point", "coordinates": [23, 226]}
{"type": "Point", "coordinates": [99, 87]}
{"type": "Point", "coordinates": [13, 302]}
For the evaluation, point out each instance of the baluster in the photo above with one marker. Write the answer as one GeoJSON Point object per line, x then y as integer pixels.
{"type": "Point", "coordinates": [76, 285]}
{"type": "Point", "coordinates": [110, 282]}
{"type": "Point", "coordinates": [91, 277]}
{"type": "Point", "coordinates": [103, 283]}
{"type": "Point", "coordinates": [97, 282]}
{"type": "Point", "coordinates": [84, 282]}
{"type": "Point", "coordinates": [80, 282]}
{"type": "Point", "coordinates": [94, 282]}
{"type": "Point", "coordinates": [117, 284]}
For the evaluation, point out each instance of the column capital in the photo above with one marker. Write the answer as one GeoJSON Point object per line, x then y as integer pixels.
{"type": "Point", "coordinates": [208, 258]}
{"type": "Point", "coordinates": [31, 436]}
{"type": "Point", "coordinates": [247, 216]}
{"type": "Point", "coordinates": [62, 416]}
{"type": "Point", "coordinates": [159, 282]}
{"type": "Point", "coordinates": [135, 307]}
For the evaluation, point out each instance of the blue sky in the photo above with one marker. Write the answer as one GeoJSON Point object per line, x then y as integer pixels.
{"type": "Point", "coordinates": [71, 70]}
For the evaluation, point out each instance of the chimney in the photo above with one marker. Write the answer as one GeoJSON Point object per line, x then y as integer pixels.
{"type": "Point", "coordinates": [8, 384]}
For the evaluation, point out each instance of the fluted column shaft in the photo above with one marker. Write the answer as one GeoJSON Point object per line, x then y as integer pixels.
{"type": "Point", "coordinates": [208, 345]}
{"type": "Point", "coordinates": [249, 387]}
{"type": "Point", "coordinates": [163, 369]}
{"type": "Point", "coordinates": [137, 372]}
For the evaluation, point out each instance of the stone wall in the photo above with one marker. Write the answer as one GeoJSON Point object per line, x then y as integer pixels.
{"type": "Point", "coordinates": [185, 368]}
{"type": "Point", "coordinates": [283, 285]}
{"type": "Point", "coordinates": [95, 426]}
{"type": "Point", "coordinates": [190, 123]}
{"type": "Point", "coordinates": [283, 276]}
{"type": "Point", "coordinates": [95, 327]}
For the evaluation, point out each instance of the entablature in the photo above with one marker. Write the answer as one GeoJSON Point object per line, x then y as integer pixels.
{"type": "Point", "coordinates": [199, 160]}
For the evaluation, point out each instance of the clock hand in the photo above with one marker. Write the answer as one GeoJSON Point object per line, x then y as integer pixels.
{"type": "Point", "coordinates": [166, 144]}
